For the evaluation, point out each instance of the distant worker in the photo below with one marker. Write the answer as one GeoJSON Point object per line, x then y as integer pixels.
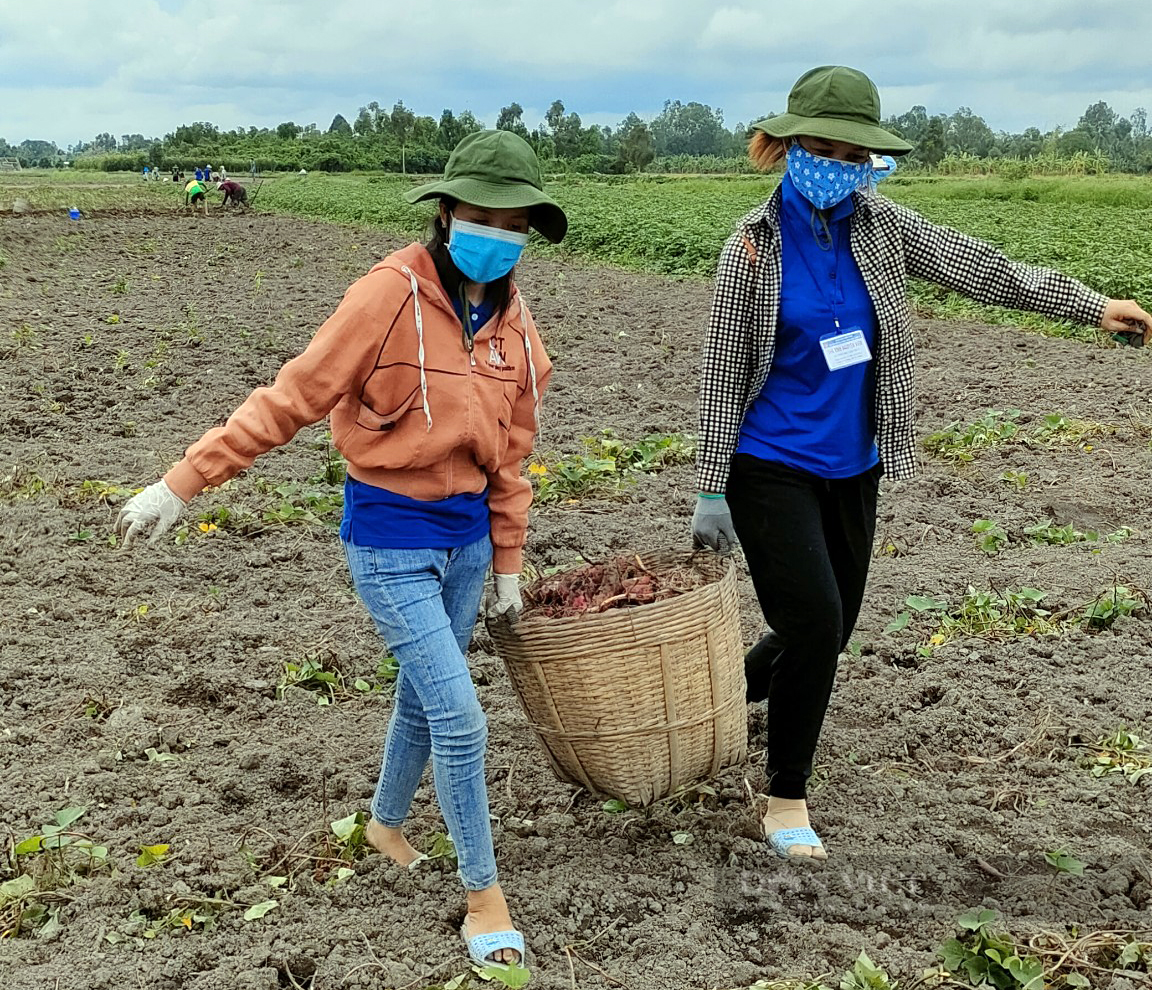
{"type": "Point", "coordinates": [882, 167]}
{"type": "Point", "coordinates": [177, 175]}
{"type": "Point", "coordinates": [145, 173]}
{"type": "Point", "coordinates": [234, 193]}
{"type": "Point", "coordinates": [207, 173]}
{"type": "Point", "coordinates": [199, 174]}
{"type": "Point", "coordinates": [196, 195]}
{"type": "Point", "coordinates": [252, 169]}
{"type": "Point", "coordinates": [223, 174]}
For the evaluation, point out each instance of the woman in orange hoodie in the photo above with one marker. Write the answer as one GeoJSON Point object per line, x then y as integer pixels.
{"type": "Point", "coordinates": [431, 371]}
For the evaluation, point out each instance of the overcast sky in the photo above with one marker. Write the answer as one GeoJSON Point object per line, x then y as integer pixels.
{"type": "Point", "coordinates": [74, 68]}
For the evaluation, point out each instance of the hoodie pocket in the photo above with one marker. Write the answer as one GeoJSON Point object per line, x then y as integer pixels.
{"type": "Point", "coordinates": [385, 422]}
{"type": "Point", "coordinates": [391, 426]}
{"type": "Point", "coordinates": [390, 396]}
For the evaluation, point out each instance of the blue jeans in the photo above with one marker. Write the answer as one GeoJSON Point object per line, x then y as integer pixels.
{"type": "Point", "coordinates": [424, 604]}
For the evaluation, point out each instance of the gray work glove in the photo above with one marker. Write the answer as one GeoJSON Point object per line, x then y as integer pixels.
{"type": "Point", "coordinates": [712, 525]}
{"type": "Point", "coordinates": [156, 508]}
{"type": "Point", "coordinates": [507, 603]}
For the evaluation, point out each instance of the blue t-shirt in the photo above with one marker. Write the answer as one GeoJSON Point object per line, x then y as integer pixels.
{"type": "Point", "coordinates": [479, 313]}
{"type": "Point", "coordinates": [806, 416]}
{"type": "Point", "coordinates": [376, 517]}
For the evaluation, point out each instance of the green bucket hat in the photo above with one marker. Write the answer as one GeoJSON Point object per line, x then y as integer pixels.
{"type": "Point", "coordinates": [497, 169]}
{"type": "Point", "coordinates": [836, 103]}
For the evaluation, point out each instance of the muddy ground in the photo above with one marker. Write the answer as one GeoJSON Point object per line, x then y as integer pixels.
{"type": "Point", "coordinates": [143, 686]}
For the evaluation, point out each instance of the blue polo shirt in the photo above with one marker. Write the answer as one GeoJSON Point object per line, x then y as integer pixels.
{"type": "Point", "coordinates": [806, 416]}
{"type": "Point", "coordinates": [376, 517]}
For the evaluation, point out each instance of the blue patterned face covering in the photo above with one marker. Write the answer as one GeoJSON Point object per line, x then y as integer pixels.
{"type": "Point", "coordinates": [824, 182]}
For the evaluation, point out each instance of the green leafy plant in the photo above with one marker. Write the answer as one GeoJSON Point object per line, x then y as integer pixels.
{"type": "Point", "coordinates": [651, 454]}
{"type": "Point", "coordinates": [296, 503]}
{"type": "Point", "coordinates": [220, 517]}
{"type": "Point", "coordinates": [1056, 428]}
{"type": "Point", "coordinates": [1011, 613]}
{"type": "Point", "coordinates": [991, 538]}
{"type": "Point", "coordinates": [383, 678]}
{"type": "Point", "coordinates": [1048, 533]}
{"type": "Point", "coordinates": [311, 674]}
{"type": "Point", "coordinates": [1118, 602]}
{"type": "Point", "coordinates": [96, 708]}
{"type": "Point", "coordinates": [348, 839]}
{"type": "Point", "coordinates": [1135, 953]}
{"type": "Point", "coordinates": [608, 464]}
{"type": "Point", "coordinates": [257, 911]}
{"type": "Point", "coordinates": [152, 855]}
{"type": "Point", "coordinates": [1017, 479]}
{"type": "Point", "coordinates": [193, 912]}
{"type": "Point", "coordinates": [24, 336]}
{"type": "Point", "coordinates": [573, 478]}
{"type": "Point", "coordinates": [989, 958]}
{"type": "Point", "coordinates": [44, 864]}
{"type": "Point", "coordinates": [959, 442]}
{"type": "Point", "coordinates": [866, 975]}
{"type": "Point", "coordinates": [21, 484]}
{"type": "Point", "coordinates": [1123, 753]}
{"type": "Point", "coordinates": [439, 845]}
{"type": "Point", "coordinates": [514, 976]}
{"type": "Point", "coordinates": [57, 835]}
{"type": "Point", "coordinates": [334, 469]}
{"type": "Point", "coordinates": [1064, 862]}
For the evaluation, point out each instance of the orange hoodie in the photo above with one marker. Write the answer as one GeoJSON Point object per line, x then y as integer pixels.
{"type": "Point", "coordinates": [412, 410]}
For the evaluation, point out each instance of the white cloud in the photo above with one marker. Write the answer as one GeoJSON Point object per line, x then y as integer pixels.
{"type": "Point", "coordinates": [149, 65]}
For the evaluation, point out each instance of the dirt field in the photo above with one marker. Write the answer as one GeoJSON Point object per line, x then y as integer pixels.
{"type": "Point", "coordinates": [143, 686]}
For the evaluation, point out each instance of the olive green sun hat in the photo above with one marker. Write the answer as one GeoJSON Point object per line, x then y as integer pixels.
{"type": "Point", "coordinates": [836, 103]}
{"type": "Point", "coordinates": [497, 169]}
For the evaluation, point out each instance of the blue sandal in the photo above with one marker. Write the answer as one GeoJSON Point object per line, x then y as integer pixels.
{"type": "Point", "coordinates": [785, 838]}
{"type": "Point", "coordinates": [480, 947]}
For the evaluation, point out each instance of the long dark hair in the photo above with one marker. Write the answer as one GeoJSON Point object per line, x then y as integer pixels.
{"type": "Point", "coordinates": [498, 293]}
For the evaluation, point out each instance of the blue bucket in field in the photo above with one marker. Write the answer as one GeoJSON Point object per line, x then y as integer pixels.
{"type": "Point", "coordinates": [74, 214]}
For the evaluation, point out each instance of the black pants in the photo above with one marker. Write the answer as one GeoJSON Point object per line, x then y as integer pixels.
{"type": "Point", "coordinates": [808, 542]}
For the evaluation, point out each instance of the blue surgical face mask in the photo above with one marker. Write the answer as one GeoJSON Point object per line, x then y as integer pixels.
{"type": "Point", "coordinates": [824, 182]}
{"type": "Point", "coordinates": [483, 254]}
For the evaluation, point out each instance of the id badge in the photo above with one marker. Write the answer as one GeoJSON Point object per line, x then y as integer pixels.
{"type": "Point", "coordinates": [843, 350]}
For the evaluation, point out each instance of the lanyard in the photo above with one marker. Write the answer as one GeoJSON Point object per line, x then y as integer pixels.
{"type": "Point", "coordinates": [797, 235]}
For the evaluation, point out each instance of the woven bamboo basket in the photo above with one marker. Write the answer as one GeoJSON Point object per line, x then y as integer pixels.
{"type": "Point", "coordinates": [635, 703]}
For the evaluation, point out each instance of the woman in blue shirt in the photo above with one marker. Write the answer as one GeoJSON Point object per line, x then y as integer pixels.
{"type": "Point", "coordinates": [807, 396]}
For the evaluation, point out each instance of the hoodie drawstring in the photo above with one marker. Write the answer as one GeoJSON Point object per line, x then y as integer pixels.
{"type": "Point", "coordinates": [531, 365]}
{"type": "Point", "coordinates": [419, 343]}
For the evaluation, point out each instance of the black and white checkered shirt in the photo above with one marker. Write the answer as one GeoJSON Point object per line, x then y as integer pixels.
{"type": "Point", "coordinates": [889, 243]}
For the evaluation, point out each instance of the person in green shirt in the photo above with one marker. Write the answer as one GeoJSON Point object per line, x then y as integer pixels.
{"type": "Point", "coordinates": [196, 194]}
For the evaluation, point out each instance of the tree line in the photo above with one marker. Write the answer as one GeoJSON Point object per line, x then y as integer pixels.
{"type": "Point", "coordinates": [686, 134]}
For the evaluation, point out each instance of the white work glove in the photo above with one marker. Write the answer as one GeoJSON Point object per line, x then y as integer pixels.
{"type": "Point", "coordinates": [507, 604]}
{"type": "Point", "coordinates": [712, 524]}
{"type": "Point", "coordinates": [156, 508]}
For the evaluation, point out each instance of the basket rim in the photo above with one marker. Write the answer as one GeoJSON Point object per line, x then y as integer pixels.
{"type": "Point", "coordinates": [727, 568]}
